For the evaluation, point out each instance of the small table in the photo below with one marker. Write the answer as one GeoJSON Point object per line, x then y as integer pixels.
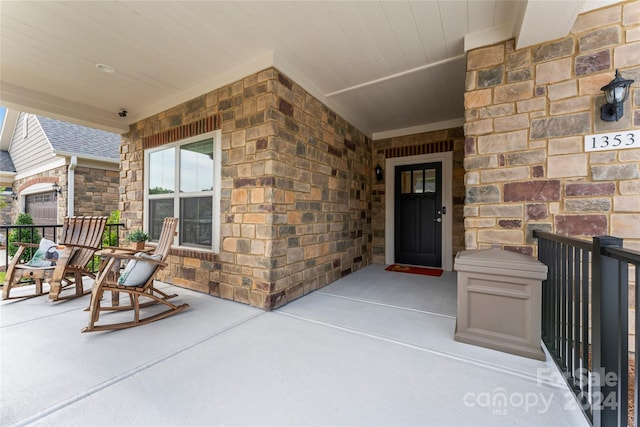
{"type": "Point", "coordinates": [114, 270]}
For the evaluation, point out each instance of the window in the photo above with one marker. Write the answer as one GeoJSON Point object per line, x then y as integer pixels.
{"type": "Point", "coordinates": [183, 180]}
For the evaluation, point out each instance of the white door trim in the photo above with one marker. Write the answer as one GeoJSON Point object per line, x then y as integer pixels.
{"type": "Point", "coordinates": [446, 159]}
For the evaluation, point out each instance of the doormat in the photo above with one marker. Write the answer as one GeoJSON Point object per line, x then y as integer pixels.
{"type": "Point", "coordinates": [415, 270]}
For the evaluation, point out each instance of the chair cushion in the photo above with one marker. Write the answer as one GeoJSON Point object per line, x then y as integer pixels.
{"type": "Point", "coordinates": [138, 271]}
{"type": "Point", "coordinates": [46, 255]}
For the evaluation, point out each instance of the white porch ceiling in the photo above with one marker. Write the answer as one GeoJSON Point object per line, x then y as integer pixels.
{"type": "Point", "coordinates": [388, 67]}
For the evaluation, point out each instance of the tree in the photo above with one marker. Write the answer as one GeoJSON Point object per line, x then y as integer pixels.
{"type": "Point", "coordinates": [25, 235]}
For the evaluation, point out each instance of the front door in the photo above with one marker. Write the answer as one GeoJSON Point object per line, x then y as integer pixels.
{"type": "Point", "coordinates": [418, 214]}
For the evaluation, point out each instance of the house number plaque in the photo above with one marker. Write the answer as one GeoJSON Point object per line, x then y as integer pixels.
{"type": "Point", "coordinates": [612, 141]}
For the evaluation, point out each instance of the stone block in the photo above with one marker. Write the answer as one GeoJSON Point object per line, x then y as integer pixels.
{"type": "Point", "coordinates": [596, 18]}
{"type": "Point", "coordinates": [504, 174]}
{"type": "Point", "coordinates": [562, 90]}
{"type": "Point", "coordinates": [499, 110]}
{"type": "Point", "coordinates": [491, 77]}
{"type": "Point", "coordinates": [478, 127]}
{"type": "Point", "coordinates": [615, 172]}
{"type": "Point", "coordinates": [599, 38]}
{"type": "Point", "coordinates": [631, 14]}
{"type": "Point", "coordinates": [482, 194]}
{"type": "Point", "coordinates": [626, 203]}
{"type": "Point", "coordinates": [531, 227]}
{"type": "Point", "coordinates": [518, 59]}
{"type": "Point", "coordinates": [592, 84]}
{"type": "Point", "coordinates": [629, 155]}
{"type": "Point", "coordinates": [572, 165]}
{"type": "Point", "coordinates": [603, 157]}
{"type": "Point", "coordinates": [513, 92]}
{"type": "Point", "coordinates": [479, 223]}
{"type": "Point", "coordinates": [536, 212]}
{"type": "Point", "coordinates": [553, 127]}
{"type": "Point", "coordinates": [472, 178]}
{"type": "Point", "coordinates": [530, 105]}
{"type": "Point", "coordinates": [526, 157]}
{"type": "Point", "coordinates": [532, 191]}
{"type": "Point", "coordinates": [505, 124]}
{"type": "Point", "coordinates": [568, 145]}
{"type": "Point", "coordinates": [480, 162]}
{"type": "Point", "coordinates": [571, 105]}
{"type": "Point", "coordinates": [590, 189]}
{"type": "Point", "coordinates": [510, 223]}
{"type": "Point", "coordinates": [502, 211]}
{"type": "Point", "coordinates": [629, 187]}
{"type": "Point", "coordinates": [593, 62]}
{"type": "Point", "coordinates": [553, 50]}
{"type": "Point", "coordinates": [485, 57]}
{"type": "Point", "coordinates": [520, 75]}
{"type": "Point", "coordinates": [470, 81]}
{"type": "Point", "coordinates": [587, 205]}
{"type": "Point", "coordinates": [581, 225]}
{"type": "Point", "coordinates": [627, 55]}
{"type": "Point", "coordinates": [503, 142]}
{"type": "Point", "coordinates": [553, 71]}
{"type": "Point", "coordinates": [477, 98]}
{"type": "Point", "coordinates": [627, 225]}
{"type": "Point", "coordinates": [501, 236]}
{"type": "Point", "coordinates": [470, 211]}
{"type": "Point", "coordinates": [633, 34]}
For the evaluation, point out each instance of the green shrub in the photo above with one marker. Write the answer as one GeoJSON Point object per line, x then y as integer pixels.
{"type": "Point", "coordinates": [110, 236]}
{"type": "Point", "coordinates": [25, 235]}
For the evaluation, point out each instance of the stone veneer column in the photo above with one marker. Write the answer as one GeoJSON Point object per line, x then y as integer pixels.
{"type": "Point", "coordinates": [527, 112]}
{"type": "Point", "coordinates": [295, 196]}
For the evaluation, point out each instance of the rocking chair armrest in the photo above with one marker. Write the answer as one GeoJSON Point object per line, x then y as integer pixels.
{"type": "Point", "coordinates": [28, 245]}
{"type": "Point", "coordinates": [106, 250]}
{"type": "Point", "coordinates": [129, 256]}
{"type": "Point", "coordinates": [78, 246]}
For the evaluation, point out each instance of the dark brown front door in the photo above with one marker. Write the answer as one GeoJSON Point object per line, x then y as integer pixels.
{"type": "Point", "coordinates": [418, 214]}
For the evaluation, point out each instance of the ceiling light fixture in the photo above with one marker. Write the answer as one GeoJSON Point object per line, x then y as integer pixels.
{"type": "Point", "coordinates": [105, 68]}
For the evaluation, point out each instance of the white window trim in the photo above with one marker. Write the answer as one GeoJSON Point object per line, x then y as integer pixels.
{"type": "Point", "coordinates": [217, 181]}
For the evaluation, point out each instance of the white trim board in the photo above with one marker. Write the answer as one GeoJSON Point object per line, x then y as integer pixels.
{"type": "Point", "coordinates": [447, 202]}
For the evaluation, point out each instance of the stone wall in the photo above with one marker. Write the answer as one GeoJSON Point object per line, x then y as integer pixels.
{"type": "Point", "coordinates": [407, 146]}
{"type": "Point", "coordinates": [295, 196]}
{"type": "Point", "coordinates": [96, 191]}
{"type": "Point", "coordinates": [526, 114]}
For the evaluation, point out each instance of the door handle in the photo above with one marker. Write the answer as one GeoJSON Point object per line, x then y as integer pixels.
{"type": "Point", "coordinates": [437, 219]}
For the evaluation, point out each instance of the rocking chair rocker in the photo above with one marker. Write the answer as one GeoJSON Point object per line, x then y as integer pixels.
{"type": "Point", "coordinates": [136, 287]}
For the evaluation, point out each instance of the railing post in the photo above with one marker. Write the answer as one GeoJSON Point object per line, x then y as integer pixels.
{"type": "Point", "coordinates": [606, 335]}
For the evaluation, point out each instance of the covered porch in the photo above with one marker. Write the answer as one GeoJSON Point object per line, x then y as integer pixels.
{"type": "Point", "coordinates": [373, 348]}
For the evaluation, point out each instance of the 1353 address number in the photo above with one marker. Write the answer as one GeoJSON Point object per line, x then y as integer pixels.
{"type": "Point", "coordinates": [612, 141]}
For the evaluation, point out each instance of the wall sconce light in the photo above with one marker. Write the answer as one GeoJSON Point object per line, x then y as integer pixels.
{"type": "Point", "coordinates": [378, 171]}
{"type": "Point", "coordinates": [14, 195]}
{"type": "Point", "coordinates": [616, 93]}
{"type": "Point", "coordinates": [56, 188]}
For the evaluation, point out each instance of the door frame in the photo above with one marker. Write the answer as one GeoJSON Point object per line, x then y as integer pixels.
{"type": "Point", "coordinates": [446, 159]}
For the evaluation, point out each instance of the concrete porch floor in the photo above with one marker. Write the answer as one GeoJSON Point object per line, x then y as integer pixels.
{"type": "Point", "coordinates": [374, 348]}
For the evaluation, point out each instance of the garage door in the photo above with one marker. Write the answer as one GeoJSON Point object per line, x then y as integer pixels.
{"type": "Point", "coordinates": [43, 208]}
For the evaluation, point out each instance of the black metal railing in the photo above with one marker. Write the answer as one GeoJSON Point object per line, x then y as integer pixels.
{"type": "Point", "coordinates": [33, 233]}
{"type": "Point", "coordinates": [585, 321]}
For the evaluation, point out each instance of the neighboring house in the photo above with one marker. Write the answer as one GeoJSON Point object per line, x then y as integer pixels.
{"type": "Point", "coordinates": [53, 169]}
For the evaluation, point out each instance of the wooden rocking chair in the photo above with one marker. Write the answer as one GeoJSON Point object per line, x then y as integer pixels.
{"type": "Point", "coordinates": [108, 280]}
{"type": "Point", "coordinates": [81, 238]}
